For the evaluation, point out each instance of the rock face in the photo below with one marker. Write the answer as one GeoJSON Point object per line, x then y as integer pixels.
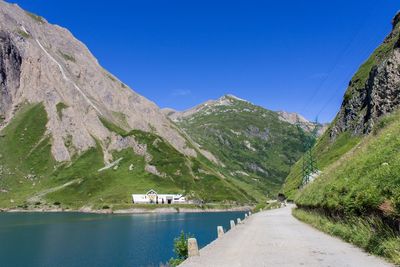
{"type": "Point", "coordinates": [10, 69]}
{"type": "Point", "coordinates": [374, 90]}
{"type": "Point", "coordinates": [40, 62]}
{"type": "Point", "coordinates": [306, 125]}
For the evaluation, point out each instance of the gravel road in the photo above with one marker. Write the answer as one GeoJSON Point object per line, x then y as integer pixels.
{"type": "Point", "coordinates": [276, 238]}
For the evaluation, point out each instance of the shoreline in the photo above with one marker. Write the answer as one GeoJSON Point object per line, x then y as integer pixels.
{"type": "Point", "coordinates": [133, 210]}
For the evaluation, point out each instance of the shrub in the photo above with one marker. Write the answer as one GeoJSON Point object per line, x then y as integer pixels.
{"type": "Point", "coordinates": [180, 249]}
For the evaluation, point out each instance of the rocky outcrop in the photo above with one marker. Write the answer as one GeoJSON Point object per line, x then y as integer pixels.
{"type": "Point", "coordinates": [10, 70]}
{"type": "Point", "coordinates": [374, 91]}
{"type": "Point", "coordinates": [44, 63]}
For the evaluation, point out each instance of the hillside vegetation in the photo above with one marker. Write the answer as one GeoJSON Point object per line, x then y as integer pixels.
{"type": "Point", "coordinates": [30, 177]}
{"type": "Point", "coordinates": [255, 146]}
{"type": "Point", "coordinates": [357, 194]}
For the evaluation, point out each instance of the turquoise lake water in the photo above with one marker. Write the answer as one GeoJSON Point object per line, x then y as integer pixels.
{"type": "Point", "coordinates": [77, 239]}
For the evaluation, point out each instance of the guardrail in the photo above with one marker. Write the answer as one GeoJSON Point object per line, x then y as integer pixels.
{"type": "Point", "coordinates": [193, 248]}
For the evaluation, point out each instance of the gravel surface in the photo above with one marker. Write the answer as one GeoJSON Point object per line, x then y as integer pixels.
{"type": "Point", "coordinates": [276, 238]}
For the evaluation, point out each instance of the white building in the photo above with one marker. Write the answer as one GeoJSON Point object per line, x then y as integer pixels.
{"type": "Point", "coordinates": [151, 197]}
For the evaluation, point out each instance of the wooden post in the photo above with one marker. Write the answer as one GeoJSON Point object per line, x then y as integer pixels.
{"type": "Point", "coordinates": [220, 231]}
{"type": "Point", "coordinates": [193, 248]}
{"type": "Point", "coordinates": [239, 221]}
{"type": "Point", "coordinates": [232, 224]}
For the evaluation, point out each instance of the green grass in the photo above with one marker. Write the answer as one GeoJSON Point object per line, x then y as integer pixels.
{"type": "Point", "coordinates": [23, 34]}
{"type": "Point", "coordinates": [326, 152]}
{"type": "Point", "coordinates": [265, 206]}
{"type": "Point", "coordinates": [26, 150]}
{"type": "Point", "coordinates": [364, 179]}
{"type": "Point", "coordinates": [113, 127]}
{"type": "Point", "coordinates": [378, 56]}
{"type": "Point", "coordinates": [67, 56]}
{"type": "Point", "coordinates": [35, 17]}
{"type": "Point", "coordinates": [368, 233]}
{"type": "Point", "coordinates": [60, 106]}
{"type": "Point", "coordinates": [276, 144]}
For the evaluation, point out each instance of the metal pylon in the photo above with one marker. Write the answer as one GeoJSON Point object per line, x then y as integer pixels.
{"type": "Point", "coordinates": [309, 160]}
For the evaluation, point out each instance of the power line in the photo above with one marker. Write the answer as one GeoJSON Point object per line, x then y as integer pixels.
{"type": "Point", "coordinates": [337, 61]}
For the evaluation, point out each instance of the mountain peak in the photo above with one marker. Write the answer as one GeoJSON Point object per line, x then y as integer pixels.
{"type": "Point", "coordinates": [232, 97]}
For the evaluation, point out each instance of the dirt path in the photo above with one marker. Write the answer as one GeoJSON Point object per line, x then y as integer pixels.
{"type": "Point", "coordinates": [39, 196]}
{"type": "Point", "coordinates": [276, 238]}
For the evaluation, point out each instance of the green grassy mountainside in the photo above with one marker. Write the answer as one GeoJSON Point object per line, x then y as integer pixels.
{"type": "Point", "coordinates": [357, 194]}
{"type": "Point", "coordinates": [254, 145]}
{"type": "Point", "coordinates": [30, 177]}
{"type": "Point", "coordinates": [88, 141]}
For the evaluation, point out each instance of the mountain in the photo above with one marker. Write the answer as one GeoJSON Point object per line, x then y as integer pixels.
{"type": "Point", "coordinates": [357, 194]}
{"type": "Point", "coordinates": [255, 145]}
{"type": "Point", "coordinates": [306, 125]}
{"type": "Point", "coordinates": [74, 136]}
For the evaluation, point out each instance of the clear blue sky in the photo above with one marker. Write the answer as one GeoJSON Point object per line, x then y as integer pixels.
{"type": "Point", "coordinates": [276, 54]}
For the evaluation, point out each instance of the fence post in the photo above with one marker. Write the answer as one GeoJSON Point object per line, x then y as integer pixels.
{"type": "Point", "coordinates": [220, 231]}
{"type": "Point", "coordinates": [193, 248]}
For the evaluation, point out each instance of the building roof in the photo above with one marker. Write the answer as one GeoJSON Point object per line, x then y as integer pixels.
{"type": "Point", "coordinates": [151, 191]}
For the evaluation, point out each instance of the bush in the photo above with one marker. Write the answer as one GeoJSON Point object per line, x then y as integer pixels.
{"type": "Point", "coordinates": [180, 249]}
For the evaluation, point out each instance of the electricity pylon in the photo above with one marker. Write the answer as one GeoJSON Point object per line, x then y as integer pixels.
{"type": "Point", "coordinates": [309, 160]}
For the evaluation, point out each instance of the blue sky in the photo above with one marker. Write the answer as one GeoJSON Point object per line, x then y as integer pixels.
{"type": "Point", "coordinates": [283, 55]}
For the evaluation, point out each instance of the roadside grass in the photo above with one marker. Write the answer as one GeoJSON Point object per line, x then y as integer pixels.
{"type": "Point", "coordinates": [371, 233]}
{"type": "Point", "coordinates": [266, 206]}
{"type": "Point", "coordinates": [326, 152]}
{"type": "Point", "coordinates": [365, 180]}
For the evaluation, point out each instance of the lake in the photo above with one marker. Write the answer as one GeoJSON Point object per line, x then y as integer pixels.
{"type": "Point", "coordinates": [79, 239]}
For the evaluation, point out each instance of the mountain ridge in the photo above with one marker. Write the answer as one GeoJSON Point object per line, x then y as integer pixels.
{"type": "Point", "coordinates": [73, 134]}
{"type": "Point", "coordinates": [291, 117]}
{"type": "Point", "coordinates": [247, 139]}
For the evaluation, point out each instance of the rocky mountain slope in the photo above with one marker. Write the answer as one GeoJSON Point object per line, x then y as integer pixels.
{"type": "Point", "coordinates": [357, 195]}
{"type": "Point", "coordinates": [72, 133]}
{"type": "Point", "coordinates": [373, 93]}
{"type": "Point", "coordinates": [254, 145]}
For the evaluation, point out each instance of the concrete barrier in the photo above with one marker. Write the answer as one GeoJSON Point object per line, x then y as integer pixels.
{"type": "Point", "coordinates": [232, 224]}
{"type": "Point", "coordinates": [220, 231]}
{"type": "Point", "coordinates": [193, 248]}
